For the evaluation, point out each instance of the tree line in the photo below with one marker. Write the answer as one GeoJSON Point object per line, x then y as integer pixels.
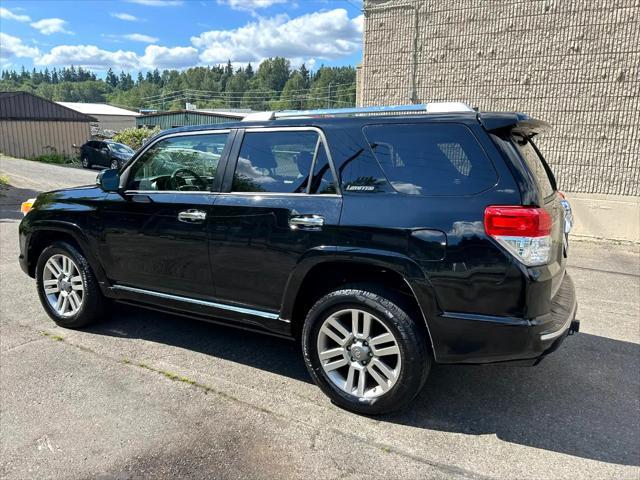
{"type": "Point", "coordinates": [273, 85]}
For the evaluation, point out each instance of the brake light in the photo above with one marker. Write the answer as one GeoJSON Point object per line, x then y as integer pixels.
{"type": "Point", "coordinates": [524, 231]}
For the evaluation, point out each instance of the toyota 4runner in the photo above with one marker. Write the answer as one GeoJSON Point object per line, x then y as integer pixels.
{"type": "Point", "coordinates": [383, 239]}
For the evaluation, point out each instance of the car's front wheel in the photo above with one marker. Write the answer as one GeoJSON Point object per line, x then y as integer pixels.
{"type": "Point", "coordinates": [115, 164]}
{"type": "Point", "coordinates": [364, 350]}
{"type": "Point", "coordinates": [67, 286]}
{"type": "Point", "coordinates": [85, 161]}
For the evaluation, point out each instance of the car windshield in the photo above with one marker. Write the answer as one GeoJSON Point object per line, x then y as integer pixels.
{"type": "Point", "coordinates": [119, 148]}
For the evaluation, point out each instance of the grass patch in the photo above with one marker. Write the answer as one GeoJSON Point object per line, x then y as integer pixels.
{"type": "Point", "coordinates": [4, 181]}
{"type": "Point", "coordinates": [57, 338]}
{"type": "Point", "coordinates": [55, 158]}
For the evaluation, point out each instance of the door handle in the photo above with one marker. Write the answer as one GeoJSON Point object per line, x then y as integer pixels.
{"type": "Point", "coordinates": [306, 222]}
{"type": "Point", "coordinates": [192, 216]}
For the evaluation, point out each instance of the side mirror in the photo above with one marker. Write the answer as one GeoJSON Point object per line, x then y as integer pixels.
{"type": "Point", "coordinates": [109, 180]}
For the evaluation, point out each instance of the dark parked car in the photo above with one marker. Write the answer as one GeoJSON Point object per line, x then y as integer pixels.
{"type": "Point", "coordinates": [104, 153]}
{"type": "Point", "coordinates": [384, 240]}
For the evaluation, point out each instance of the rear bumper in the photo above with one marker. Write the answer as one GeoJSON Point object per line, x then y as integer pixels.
{"type": "Point", "coordinates": [469, 338]}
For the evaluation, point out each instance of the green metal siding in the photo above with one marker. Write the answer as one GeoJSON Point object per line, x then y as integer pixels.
{"type": "Point", "coordinates": [182, 119]}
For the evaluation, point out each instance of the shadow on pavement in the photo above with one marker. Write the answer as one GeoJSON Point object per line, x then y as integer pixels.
{"type": "Point", "coordinates": [11, 200]}
{"type": "Point", "coordinates": [582, 400]}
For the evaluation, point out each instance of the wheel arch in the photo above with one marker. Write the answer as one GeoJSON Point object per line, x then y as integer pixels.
{"type": "Point", "coordinates": [43, 234]}
{"type": "Point", "coordinates": [317, 274]}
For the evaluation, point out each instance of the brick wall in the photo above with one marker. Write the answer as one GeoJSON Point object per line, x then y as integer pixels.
{"type": "Point", "coordinates": [575, 64]}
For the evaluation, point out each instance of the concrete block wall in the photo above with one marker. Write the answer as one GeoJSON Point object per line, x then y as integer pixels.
{"type": "Point", "coordinates": [575, 64]}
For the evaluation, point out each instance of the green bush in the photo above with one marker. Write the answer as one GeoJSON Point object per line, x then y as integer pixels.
{"type": "Point", "coordinates": [134, 137]}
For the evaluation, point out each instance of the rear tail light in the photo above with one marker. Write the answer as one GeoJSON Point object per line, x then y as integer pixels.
{"type": "Point", "coordinates": [524, 231]}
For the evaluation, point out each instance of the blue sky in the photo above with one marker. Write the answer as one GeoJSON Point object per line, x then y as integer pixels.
{"type": "Point", "coordinates": [134, 35]}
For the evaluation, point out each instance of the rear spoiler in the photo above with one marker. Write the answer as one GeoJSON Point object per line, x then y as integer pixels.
{"type": "Point", "coordinates": [518, 122]}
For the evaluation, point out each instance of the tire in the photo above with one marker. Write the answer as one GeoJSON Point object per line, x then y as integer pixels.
{"type": "Point", "coordinates": [85, 161]}
{"type": "Point", "coordinates": [87, 305]}
{"type": "Point", "coordinates": [114, 164]}
{"type": "Point", "coordinates": [410, 365]}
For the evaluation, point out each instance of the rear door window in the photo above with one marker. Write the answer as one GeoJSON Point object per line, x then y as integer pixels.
{"type": "Point", "coordinates": [281, 161]}
{"type": "Point", "coordinates": [536, 165]}
{"type": "Point", "coordinates": [430, 159]}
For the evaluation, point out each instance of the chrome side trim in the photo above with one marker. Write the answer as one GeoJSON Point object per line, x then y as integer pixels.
{"type": "Point", "coordinates": [195, 301]}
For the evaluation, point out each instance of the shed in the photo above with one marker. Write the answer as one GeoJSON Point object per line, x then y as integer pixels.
{"type": "Point", "coordinates": [109, 118]}
{"type": "Point", "coordinates": [182, 118]}
{"type": "Point", "coordinates": [31, 125]}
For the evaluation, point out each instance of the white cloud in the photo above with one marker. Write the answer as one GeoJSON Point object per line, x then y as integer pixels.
{"type": "Point", "coordinates": [47, 26]}
{"type": "Point", "coordinates": [249, 5]}
{"type": "Point", "coordinates": [125, 16]}
{"type": "Point", "coordinates": [91, 56]}
{"type": "Point", "coordinates": [140, 37]}
{"type": "Point", "coordinates": [9, 15]}
{"type": "Point", "coordinates": [11, 46]}
{"type": "Point", "coordinates": [326, 35]}
{"type": "Point", "coordinates": [156, 56]}
{"type": "Point", "coordinates": [158, 3]}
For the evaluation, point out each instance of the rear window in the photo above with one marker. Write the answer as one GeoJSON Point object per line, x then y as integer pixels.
{"type": "Point", "coordinates": [536, 165]}
{"type": "Point", "coordinates": [430, 159]}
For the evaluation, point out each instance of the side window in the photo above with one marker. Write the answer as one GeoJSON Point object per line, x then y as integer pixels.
{"type": "Point", "coordinates": [431, 159]}
{"type": "Point", "coordinates": [276, 161]}
{"type": "Point", "coordinates": [183, 163]}
{"type": "Point", "coordinates": [322, 181]}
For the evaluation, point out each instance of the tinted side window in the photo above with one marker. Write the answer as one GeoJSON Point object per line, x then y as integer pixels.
{"type": "Point", "coordinates": [275, 161]}
{"type": "Point", "coordinates": [535, 164]}
{"type": "Point", "coordinates": [184, 163]}
{"type": "Point", "coordinates": [431, 159]}
{"type": "Point", "coordinates": [322, 181]}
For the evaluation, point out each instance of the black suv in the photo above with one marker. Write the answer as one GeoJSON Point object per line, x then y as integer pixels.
{"type": "Point", "coordinates": [383, 239]}
{"type": "Point", "coordinates": [105, 153]}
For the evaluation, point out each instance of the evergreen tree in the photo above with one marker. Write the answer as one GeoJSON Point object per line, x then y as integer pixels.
{"type": "Point", "coordinates": [305, 75]}
{"type": "Point", "coordinates": [111, 79]}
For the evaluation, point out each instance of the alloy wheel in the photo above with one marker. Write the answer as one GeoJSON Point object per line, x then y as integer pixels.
{"type": "Point", "coordinates": [358, 353]}
{"type": "Point", "coordinates": [85, 162]}
{"type": "Point", "coordinates": [63, 285]}
{"type": "Point", "coordinates": [114, 164]}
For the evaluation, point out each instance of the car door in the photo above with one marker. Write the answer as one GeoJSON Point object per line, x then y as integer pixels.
{"type": "Point", "coordinates": [92, 152]}
{"type": "Point", "coordinates": [102, 154]}
{"type": "Point", "coordinates": [155, 231]}
{"type": "Point", "coordinates": [271, 213]}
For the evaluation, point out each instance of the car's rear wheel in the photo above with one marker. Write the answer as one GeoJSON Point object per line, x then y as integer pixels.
{"type": "Point", "coordinates": [114, 164]}
{"type": "Point", "coordinates": [364, 350]}
{"type": "Point", "coordinates": [85, 161]}
{"type": "Point", "coordinates": [67, 286]}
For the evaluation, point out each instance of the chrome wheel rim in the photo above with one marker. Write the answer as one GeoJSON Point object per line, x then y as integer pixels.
{"type": "Point", "coordinates": [85, 162]}
{"type": "Point", "coordinates": [358, 353]}
{"type": "Point", "coordinates": [114, 164]}
{"type": "Point", "coordinates": [63, 285]}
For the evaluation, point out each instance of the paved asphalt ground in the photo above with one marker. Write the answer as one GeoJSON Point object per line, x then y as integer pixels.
{"type": "Point", "coordinates": [148, 395]}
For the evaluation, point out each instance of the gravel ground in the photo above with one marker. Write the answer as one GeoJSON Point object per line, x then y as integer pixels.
{"type": "Point", "coordinates": [148, 395]}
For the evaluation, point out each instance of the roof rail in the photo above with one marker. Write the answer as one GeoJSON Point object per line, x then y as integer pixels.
{"type": "Point", "coordinates": [435, 107]}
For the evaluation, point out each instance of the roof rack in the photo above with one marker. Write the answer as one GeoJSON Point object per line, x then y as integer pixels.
{"type": "Point", "coordinates": [435, 107]}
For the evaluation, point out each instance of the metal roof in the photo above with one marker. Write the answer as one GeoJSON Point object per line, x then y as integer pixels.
{"type": "Point", "coordinates": [211, 113]}
{"type": "Point", "coordinates": [27, 106]}
{"type": "Point", "coordinates": [98, 109]}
